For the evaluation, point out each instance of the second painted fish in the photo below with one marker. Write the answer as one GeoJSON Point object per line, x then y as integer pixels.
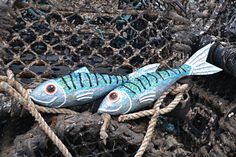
{"type": "Point", "coordinates": [81, 86]}
{"type": "Point", "coordinates": [144, 90]}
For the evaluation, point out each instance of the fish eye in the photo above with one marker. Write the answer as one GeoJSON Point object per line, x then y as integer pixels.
{"type": "Point", "coordinates": [113, 96]}
{"type": "Point", "coordinates": [50, 89]}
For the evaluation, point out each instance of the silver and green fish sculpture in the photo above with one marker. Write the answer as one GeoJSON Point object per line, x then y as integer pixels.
{"type": "Point", "coordinates": [144, 90]}
{"type": "Point", "coordinates": [81, 86]}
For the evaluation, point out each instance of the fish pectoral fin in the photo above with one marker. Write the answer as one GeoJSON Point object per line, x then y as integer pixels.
{"type": "Point", "coordinates": [148, 97]}
{"type": "Point", "coordinates": [84, 96]}
{"type": "Point", "coordinates": [82, 70]}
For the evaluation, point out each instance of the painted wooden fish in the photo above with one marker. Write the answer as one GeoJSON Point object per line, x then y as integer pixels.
{"type": "Point", "coordinates": [144, 90]}
{"type": "Point", "coordinates": [81, 86]}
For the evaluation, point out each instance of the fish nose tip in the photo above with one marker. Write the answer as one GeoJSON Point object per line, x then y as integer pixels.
{"type": "Point", "coordinates": [31, 93]}
{"type": "Point", "coordinates": [32, 97]}
{"type": "Point", "coordinates": [99, 111]}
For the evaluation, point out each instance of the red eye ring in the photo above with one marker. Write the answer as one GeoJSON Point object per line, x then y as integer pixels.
{"type": "Point", "coordinates": [113, 96]}
{"type": "Point", "coordinates": [50, 89]}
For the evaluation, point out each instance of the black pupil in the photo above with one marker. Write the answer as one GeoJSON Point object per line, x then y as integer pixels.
{"type": "Point", "coordinates": [50, 88]}
{"type": "Point", "coordinates": [113, 96]}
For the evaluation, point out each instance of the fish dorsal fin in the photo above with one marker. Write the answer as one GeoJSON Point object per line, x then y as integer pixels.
{"type": "Point", "coordinates": [148, 97]}
{"type": "Point", "coordinates": [144, 70]}
{"type": "Point", "coordinates": [82, 70]}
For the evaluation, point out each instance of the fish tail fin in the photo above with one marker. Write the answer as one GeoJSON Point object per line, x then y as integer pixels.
{"type": "Point", "coordinates": [198, 63]}
{"type": "Point", "coordinates": [144, 70]}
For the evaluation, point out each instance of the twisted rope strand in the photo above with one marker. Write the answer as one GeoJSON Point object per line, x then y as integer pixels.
{"type": "Point", "coordinates": [178, 90]}
{"type": "Point", "coordinates": [150, 112]}
{"type": "Point", "coordinates": [172, 105]}
{"type": "Point", "coordinates": [157, 112]}
{"type": "Point", "coordinates": [22, 95]}
{"type": "Point", "coordinates": [29, 105]}
{"type": "Point", "coordinates": [148, 136]}
{"type": "Point", "coordinates": [149, 133]}
{"type": "Point", "coordinates": [151, 126]}
{"type": "Point", "coordinates": [106, 121]}
{"type": "Point", "coordinates": [141, 114]}
{"type": "Point", "coordinates": [55, 110]}
{"type": "Point", "coordinates": [136, 115]}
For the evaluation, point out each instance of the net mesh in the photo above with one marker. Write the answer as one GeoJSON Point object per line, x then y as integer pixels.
{"type": "Point", "coordinates": [107, 37]}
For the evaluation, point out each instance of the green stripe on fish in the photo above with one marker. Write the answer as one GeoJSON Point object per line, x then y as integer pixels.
{"type": "Point", "coordinates": [162, 76]}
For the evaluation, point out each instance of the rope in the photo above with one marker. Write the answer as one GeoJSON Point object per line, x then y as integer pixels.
{"type": "Point", "coordinates": [136, 115]}
{"type": "Point", "coordinates": [106, 121]}
{"type": "Point", "coordinates": [179, 91]}
{"type": "Point", "coordinates": [145, 113]}
{"type": "Point", "coordinates": [151, 126]}
{"type": "Point", "coordinates": [157, 112]}
{"type": "Point", "coordinates": [148, 136]}
{"type": "Point", "coordinates": [55, 110]}
{"type": "Point", "coordinates": [172, 105]}
{"type": "Point", "coordinates": [22, 95]}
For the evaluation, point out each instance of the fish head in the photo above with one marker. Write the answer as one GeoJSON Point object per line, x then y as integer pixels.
{"type": "Point", "coordinates": [115, 103]}
{"type": "Point", "coordinates": [49, 93]}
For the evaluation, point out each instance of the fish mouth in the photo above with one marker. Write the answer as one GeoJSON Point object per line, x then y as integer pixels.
{"type": "Point", "coordinates": [113, 112]}
{"type": "Point", "coordinates": [44, 102]}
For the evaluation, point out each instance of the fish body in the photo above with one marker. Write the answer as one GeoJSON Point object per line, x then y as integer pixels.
{"type": "Point", "coordinates": [139, 92]}
{"type": "Point", "coordinates": [80, 87]}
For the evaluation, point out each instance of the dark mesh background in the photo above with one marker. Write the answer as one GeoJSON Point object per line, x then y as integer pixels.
{"type": "Point", "coordinates": [109, 37]}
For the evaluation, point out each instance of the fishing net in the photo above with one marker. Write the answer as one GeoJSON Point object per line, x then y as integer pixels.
{"type": "Point", "coordinates": [108, 37]}
{"type": "Point", "coordinates": [53, 38]}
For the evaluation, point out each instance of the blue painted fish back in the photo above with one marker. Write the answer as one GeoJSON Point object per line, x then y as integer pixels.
{"type": "Point", "coordinates": [75, 81]}
{"type": "Point", "coordinates": [151, 80]}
